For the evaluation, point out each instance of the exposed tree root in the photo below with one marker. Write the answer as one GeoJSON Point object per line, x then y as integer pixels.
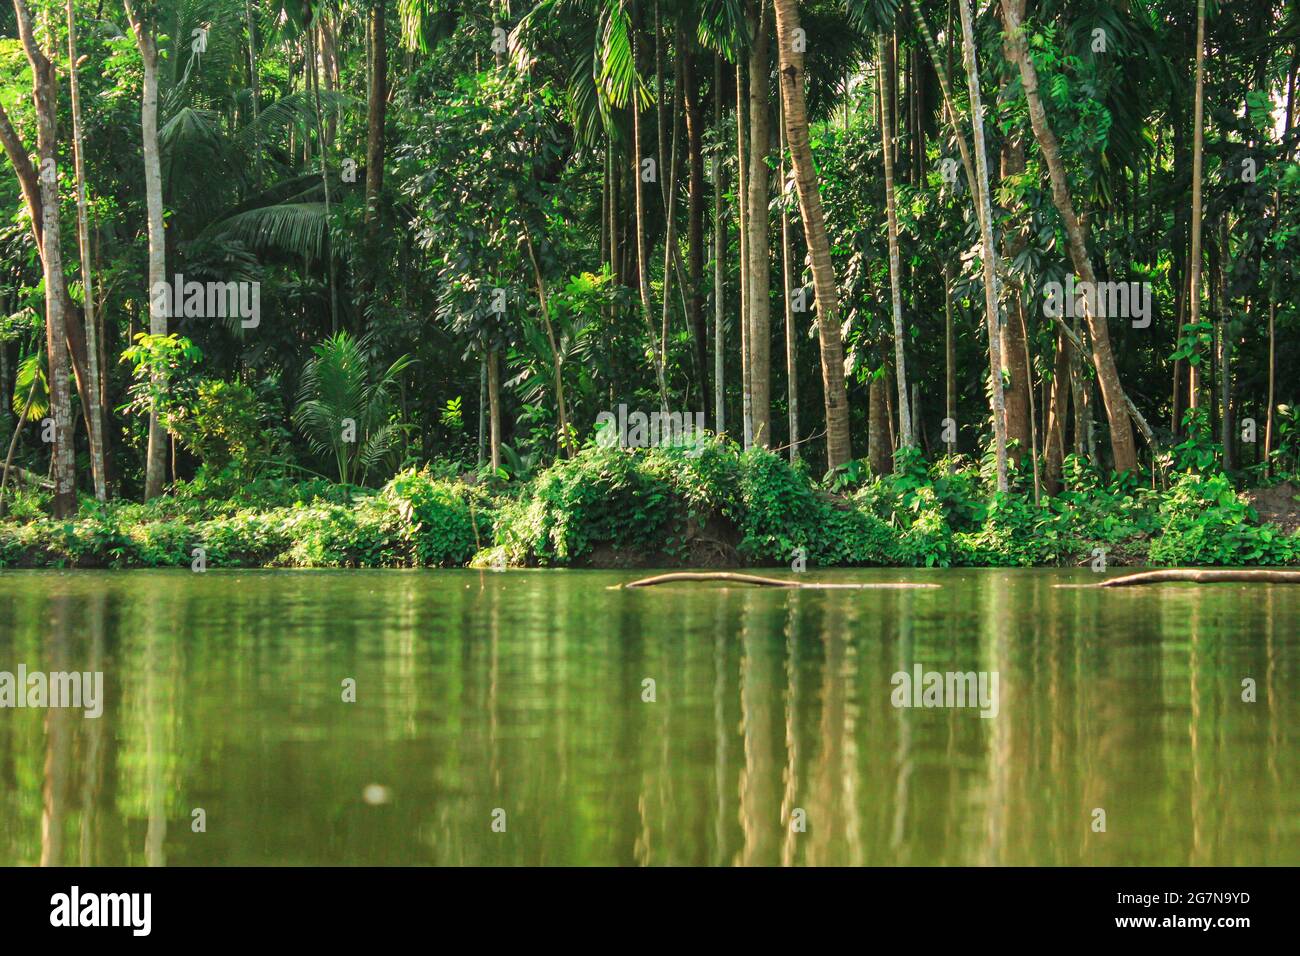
{"type": "Point", "coordinates": [1204, 576]}
{"type": "Point", "coordinates": [762, 581]}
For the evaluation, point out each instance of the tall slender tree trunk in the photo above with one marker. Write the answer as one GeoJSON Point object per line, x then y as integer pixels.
{"type": "Point", "coordinates": [1178, 273]}
{"type": "Point", "coordinates": [494, 406]}
{"type": "Point", "coordinates": [1081, 398]}
{"type": "Point", "coordinates": [565, 438]}
{"type": "Point", "coordinates": [945, 87]}
{"type": "Point", "coordinates": [760, 273]}
{"type": "Point", "coordinates": [376, 116]}
{"type": "Point", "coordinates": [886, 64]}
{"type": "Point", "coordinates": [791, 339]}
{"type": "Point", "coordinates": [950, 365]}
{"type": "Point", "coordinates": [45, 97]}
{"type": "Point", "coordinates": [1198, 143]}
{"type": "Point", "coordinates": [695, 220]}
{"type": "Point", "coordinates": [1058, 401]}
{"type": "Point", "coordinates": [254, 89]}
{"type": "Point", "coordinates": [147, 40]}
{"type": "Point", "coordinates": [313, 73]}
{"type": "Point", "coordinates": [642, 269]}
{"type": "Point", "coordinates": [95, 418]}
{"type": "Point", "coordinates": [1123, 450]}
{"type": "Point", "coordinates": [880, 450]}
{"type": "Point", "coordinates": [1223, 332]}
{"type": "Point", "coordinates": [988, 250]}
{"type": "Point", "coordinates": [719, 255]}
{"type": "Point", "coordinates": [670, 217]}
{"type": "Point", "coordinates": [791, 56]}
{"type": "Point", "coordinates": [742, 204]}
{"type": "Point", "coordinates": [1019, 389]}
{"type": "Point", "coordinates": [1272, 295]}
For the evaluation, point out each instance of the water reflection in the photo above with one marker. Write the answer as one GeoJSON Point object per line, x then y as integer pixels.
{"type": "Point", "coordinates": [771, 739]}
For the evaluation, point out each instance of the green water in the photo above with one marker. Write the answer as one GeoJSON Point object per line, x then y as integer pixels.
{"type": "Point", "coordinates": [522, 692]}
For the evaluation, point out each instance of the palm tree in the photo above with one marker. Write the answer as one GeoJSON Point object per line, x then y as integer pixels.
{"type": "Point", "coordinates": [791, 59]}
{"type": "Point", "coordinates": [1118, 408]}
{"type": "Point", "coordinates": [344, 410]}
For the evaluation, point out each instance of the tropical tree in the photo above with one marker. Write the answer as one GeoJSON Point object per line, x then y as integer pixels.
{"type": "Point", "coordinates": [345, 406]}
{"type": "Point", "coordinates": [791, 47]}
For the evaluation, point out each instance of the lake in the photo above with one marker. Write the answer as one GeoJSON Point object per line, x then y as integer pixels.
{"type": "Point", "coordinates": [549, 717]}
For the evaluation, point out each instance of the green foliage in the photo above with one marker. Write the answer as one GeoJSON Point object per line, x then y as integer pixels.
{"type": "Point", "coordinates": [31, 389]}
{"type": "Point", "coordinates": [345, 409]}
{"type": "Point", "coordinates": [601, 497]}
{"type": "Point", "coordinates": [223, 428]}
{"type": "Point", "coordinates": [443, 523]}
{"type": "Point", "coordinates": [414, 521]}
{"type": "Point", "coordinates": [658, 506]}
{"type": "Point", "coordinates": [1204, 521]}
{"type": "Point", "coordinates": [163, 377]}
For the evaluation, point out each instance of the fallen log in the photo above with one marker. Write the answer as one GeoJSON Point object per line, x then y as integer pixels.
{"type": "Point", "coordinates": [1204, 576]}
{"type": "Point", "coordinates": [760, 581]}
{"type": "Point", "coordinates": [31, 479]}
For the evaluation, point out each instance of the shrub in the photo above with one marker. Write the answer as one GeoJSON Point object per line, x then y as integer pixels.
{"type": "Point", "coordinates": [1204, 521]}
{"type": "Point", "coordinates": [442, 522]}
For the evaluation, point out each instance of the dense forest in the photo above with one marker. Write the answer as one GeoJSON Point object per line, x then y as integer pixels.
{"type": "Point", "coordinates": [355, 282]}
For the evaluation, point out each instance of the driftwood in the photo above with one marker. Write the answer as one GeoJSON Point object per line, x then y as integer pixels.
{"type": "Point", "coordinates": [761, 581]}
{"type": "Point", "coordinates": [1204, 576]}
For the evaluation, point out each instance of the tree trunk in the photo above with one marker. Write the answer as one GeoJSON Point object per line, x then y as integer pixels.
{"type": "Point", "coordinates": [791, 340]}
{"type": "Point", "coordinates": [376, 115]}
{"type": "Point", "coordinates": [695, 221]}
{"type": "Point", "coordinates": [314, 76]}
{"type": "Point", "coordinates": [1178, 279]}
{"type": "Point", "coordinates": [760, 273]}
{"type": "Point", "coordinates": [494, 406]}
{"type": "Point", "coordinates": [886, 88]}
{"type": "Point", "coordinates": [1017, 393]}
{"type": "Point", "coordinates": [670, 215]}
{"type": "Point", "coordinates": [565, 442]}
{"type": "Point", "coordinates": [988, 251]}
{"type": "Point", "coordinates": [880, 451]}
{"type": "Point", "coordinates": [719, 254]}
{"type": "Point", "coordinates": [147, 41]}
{"type": "Point", "coordinates": [838, 446]}
{"type": "Point", "coordinates": [95, 418]}
{"type": "Point", "coordinates": [1223, 331]}
{"type": "Point", "coordinates": [46, 100]}
{"type": "Point", "coordinates": [945, 88]}
{"type": "Point", "coordinates": [742, 205]}
{"type": "Point", "coordinates": [950, 366]}
{"type": "Point", "coordinates": [1056, 411]}
{"type": "Point", "coordinates": [1112, 391]}
{"type": "Point", "coordinates": [643, 279]}
{"type": "Point", "coordinates": [1194, 266]}
{"type": "Point", "coordinates": [253, 84]}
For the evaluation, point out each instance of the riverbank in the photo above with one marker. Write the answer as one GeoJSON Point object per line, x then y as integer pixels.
{"type": "Point", "coordinates": [615, 508]}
